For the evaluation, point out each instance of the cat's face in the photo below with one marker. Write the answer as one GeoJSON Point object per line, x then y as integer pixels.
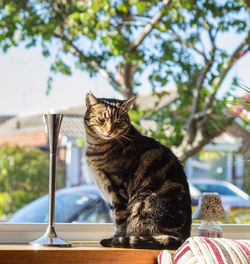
{"type": "Point", "coordinates": [107, 117]}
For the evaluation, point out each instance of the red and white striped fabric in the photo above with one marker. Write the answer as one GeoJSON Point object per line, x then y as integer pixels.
{"type": "Point", "coordinates": [203, 250]}
{"type": "Point", "coordinates": [165, 257]}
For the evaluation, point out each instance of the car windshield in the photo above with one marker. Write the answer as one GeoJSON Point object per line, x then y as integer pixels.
{"type": "Point", "coordinates": [222, 190]}
{"type": "Point", "coordinates": [66, 205]}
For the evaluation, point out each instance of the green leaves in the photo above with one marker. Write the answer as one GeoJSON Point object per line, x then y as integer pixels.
{"type": "Point", "coordinates": [23, 177]}
{"type": "Point", "coordinates": [112, 26]}
{"type": "Point", "coordinates": [49, 85]}
{"type": "Point", "coordinates": [122, 7]}
{"type": "Point", "coordinates": [60, 66]}
{"type": "Point", "coordinates": [177, 44]}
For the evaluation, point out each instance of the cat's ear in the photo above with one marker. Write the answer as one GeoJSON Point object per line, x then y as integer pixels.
{"type": "Point", "coordinates": [127, 104]}
{"type": "Point", "coordinates": [90, 100]}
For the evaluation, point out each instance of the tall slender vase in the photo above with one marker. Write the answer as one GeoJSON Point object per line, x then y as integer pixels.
{"type": "Point", "coordinates": [50, 237]}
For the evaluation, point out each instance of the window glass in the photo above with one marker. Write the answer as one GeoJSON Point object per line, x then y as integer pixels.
{"type": "Point", "coordinates": [225, 173]}
{"type": "Point", "coordinates": [69, 206]}
{"type": "Point", "coordinates": [188, 64]}
{"type": "Point", "coordinates": [222, 190]}
{"type": "Point", "coordinates": [96, 213]}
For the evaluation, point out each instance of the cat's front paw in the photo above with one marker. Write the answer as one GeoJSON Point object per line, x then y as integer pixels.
{"type": "Point", "coordinates": [107, 242]}
{"type": "Point", "coordinates": [120, 233]}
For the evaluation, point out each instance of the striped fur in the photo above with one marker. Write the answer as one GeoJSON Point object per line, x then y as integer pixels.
{"type": "Point", "coordinates": [142, 181]}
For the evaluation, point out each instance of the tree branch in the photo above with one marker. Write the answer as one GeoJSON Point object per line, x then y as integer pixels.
{"type": "Point", "coordinates": [91, 63]}
{"type": "Point", "coordinates": [242, 49]}
{"type": "Point", "coordinates": [189, 152]}
{"type": "Point", "coordinates": [188, 44]}
{"type": "Point", "coordinates": [199, 116]}
{"type": "Point", "coordinates": [128, 78]}
{"type": "Point", "coordinates": [210, 33]}
{"type": "Point", "coordinates": [149, 27]}
{"type": "Point", "coordinates": [202, 140]}
{"type": "Point", "coordinates": [125, 78]}
{"type": "Point", "coordinates": [192, 124]}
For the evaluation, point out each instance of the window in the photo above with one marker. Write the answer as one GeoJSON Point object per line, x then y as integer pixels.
{"type": "Point", "coordinates": [222, 190]}
{"type": "Point", "coordinates": [169, 64]}
{"type": "Point", "coordinates": [214, 170]}
{"type": "Point", "coordinates": [71, 206]}
{"type": "Point", "coordinates": [96, 213]}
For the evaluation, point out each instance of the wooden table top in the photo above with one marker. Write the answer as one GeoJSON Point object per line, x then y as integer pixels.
{"type": "Point", "coordinates": [26, 254]}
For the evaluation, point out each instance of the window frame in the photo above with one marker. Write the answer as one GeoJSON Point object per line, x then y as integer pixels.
{"type": "Point", "coordinates": [82, 233]}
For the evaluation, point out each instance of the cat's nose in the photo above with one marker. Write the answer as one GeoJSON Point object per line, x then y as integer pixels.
{"type": "Point", "coordinates": [107, 133]}
{"type": "Point", "coordinates": [108, 127]}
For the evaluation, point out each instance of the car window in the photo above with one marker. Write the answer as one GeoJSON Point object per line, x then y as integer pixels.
{"type": "Point", "coordinates": [65, 207]}
{"type": "Point", "coordinates": [96, 213]}
{"type": "Point", "coordinates": [34, 212]}
{"type": "Point", "coordinates": [222, 190]}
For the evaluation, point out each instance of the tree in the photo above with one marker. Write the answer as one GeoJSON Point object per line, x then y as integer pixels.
{"type": "Point", "coordinates": [24, 176]}
{"type": "Point", "coordinates": [172, 41]}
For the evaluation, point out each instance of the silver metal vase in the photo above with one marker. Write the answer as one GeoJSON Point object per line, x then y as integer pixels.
{"type": "Point", "coordinates": [50, 237]}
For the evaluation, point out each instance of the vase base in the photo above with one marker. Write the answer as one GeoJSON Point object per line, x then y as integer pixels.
{"type": "Point", "coordinates": [50, 241]}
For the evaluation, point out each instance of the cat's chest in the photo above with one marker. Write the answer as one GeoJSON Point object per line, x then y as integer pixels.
{"type": "Point", "coordinates": [109, 158]}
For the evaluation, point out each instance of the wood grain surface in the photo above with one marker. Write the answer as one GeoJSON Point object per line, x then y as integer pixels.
{"type": "Point", "coordinates": [25, 254]}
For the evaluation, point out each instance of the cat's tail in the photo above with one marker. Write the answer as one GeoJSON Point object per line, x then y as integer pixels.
{"type": "Point", "coordinates": [144, 242]}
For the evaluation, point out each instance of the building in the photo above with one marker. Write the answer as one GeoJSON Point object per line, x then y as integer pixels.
{"type": "Point", "coordinates": [28, 130]}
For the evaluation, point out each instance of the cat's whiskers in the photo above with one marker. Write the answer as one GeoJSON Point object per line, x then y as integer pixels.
{"type": "Point", "coordinates": [129, 140]}
{"type": "Point", "coordinates": [131, 136]}
{"type": "Point", "coordinates": [120, 141]}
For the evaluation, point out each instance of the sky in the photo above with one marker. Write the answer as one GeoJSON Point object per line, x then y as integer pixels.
{"type": "Point", "coordinates": [23, 82]}
{"type": "Point", "coordinates": [24, 73]}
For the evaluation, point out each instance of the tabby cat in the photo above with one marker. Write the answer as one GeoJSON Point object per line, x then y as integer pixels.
{"type": "Point", "coordinates": [142, 181]}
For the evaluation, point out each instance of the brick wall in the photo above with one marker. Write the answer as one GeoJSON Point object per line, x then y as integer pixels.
{"type": "Point", "coordinates": [31, 139]}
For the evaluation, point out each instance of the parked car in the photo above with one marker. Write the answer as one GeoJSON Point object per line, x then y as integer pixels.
{"type": "Point", "coordinates": [231, 195]}
{"type": "Point", "coordinates": [195, 194]}
{"type": "Point", "coordinates": [74, 204]}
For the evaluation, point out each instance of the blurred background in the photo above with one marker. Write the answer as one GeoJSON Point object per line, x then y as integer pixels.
{"type": "Point", "coordinates": [186, 61]}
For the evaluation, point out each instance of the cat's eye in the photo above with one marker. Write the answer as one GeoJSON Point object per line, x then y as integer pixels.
{"type": "Point", "coordinates": [101, 120]}
{"type": "Point", "coordinates": [118, 122]}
